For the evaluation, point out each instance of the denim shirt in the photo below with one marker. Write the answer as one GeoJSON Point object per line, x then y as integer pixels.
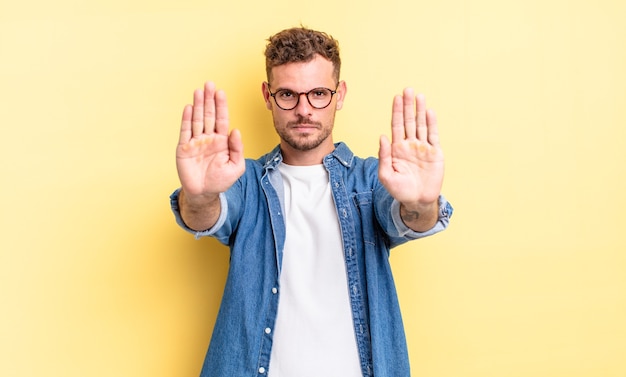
{"type": "Point", "coordinates": [251, 223]}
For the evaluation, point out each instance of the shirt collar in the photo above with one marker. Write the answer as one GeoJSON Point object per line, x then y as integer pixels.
{"type": "Point", "coordinates": [342, 154]}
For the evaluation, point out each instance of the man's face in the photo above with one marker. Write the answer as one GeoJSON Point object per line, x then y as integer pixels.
{"type": "Point", "coordinates": [305, 128]}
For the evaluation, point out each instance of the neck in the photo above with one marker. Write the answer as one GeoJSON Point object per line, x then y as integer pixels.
{"type": "Point", "coordinates": [305, 158]}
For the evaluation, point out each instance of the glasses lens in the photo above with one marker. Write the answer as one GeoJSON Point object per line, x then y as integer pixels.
{"type": "Point", "coordinates": [320, 97]}
{"type": "Point", "coordinates": [286, 99]}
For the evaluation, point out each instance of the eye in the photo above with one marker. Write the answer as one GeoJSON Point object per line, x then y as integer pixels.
{"type": "Point", "coordinates": [286, 94]}
{"type": "Point", "coordinates": [320, 92]}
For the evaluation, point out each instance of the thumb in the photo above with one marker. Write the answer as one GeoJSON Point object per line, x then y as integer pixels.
{"type": "Point", "coordinates": [235, 146]}
{"type": "Point", "coordinates": [384, 155]}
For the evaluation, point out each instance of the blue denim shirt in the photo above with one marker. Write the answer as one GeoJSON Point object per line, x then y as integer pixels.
{"type": "Point", "coordinates": [251, 223]}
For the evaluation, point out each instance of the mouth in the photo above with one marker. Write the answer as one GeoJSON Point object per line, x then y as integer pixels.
{"type": "Point", "coordinates": [304, 125]}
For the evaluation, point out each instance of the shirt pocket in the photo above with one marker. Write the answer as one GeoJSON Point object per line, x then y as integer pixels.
{"type": "Point", "coordinates": [366, 223]}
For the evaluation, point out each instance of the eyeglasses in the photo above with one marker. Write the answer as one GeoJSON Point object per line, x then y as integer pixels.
{"type": "Point", "coordinates": [319, 98]}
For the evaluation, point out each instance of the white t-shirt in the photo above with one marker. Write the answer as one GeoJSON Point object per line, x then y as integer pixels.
{"type": "Point", "coordinates": [314, 332]}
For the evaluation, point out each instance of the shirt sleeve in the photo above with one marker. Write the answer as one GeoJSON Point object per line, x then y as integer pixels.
{"type": "Point", "coordinates": [204, 233]}
{"type": "Point", "coordinates": [445, 212]}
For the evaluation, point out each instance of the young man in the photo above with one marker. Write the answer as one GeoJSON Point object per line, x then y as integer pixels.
{"type": "Point", "coordinates": [309, 225]}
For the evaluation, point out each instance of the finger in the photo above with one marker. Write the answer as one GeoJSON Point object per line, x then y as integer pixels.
{"type": "Point", "coordinates": [384, 157]}
{"type": "Point", "coordinates": [235, 147]}
{"type": "Point", "coordinates": [397, 120]}
{"type": "Point", "coordinates": [197, 122]}
{"type": "Point", "coordinates": [185, 126]}
{"type": "Point", "coordinates": [422, 127]}
{"type": "Point", "coordinates": [209, 107]}
{"type": "Point", "coordinates": [408, 100]}
{"type": "Point", "coordinates": [221, 113]}
{"type": "Point", "coordinates": [433, 130]}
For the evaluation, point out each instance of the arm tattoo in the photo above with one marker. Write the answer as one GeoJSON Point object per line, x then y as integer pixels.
{"type": "Point", "coordinates": [409, 215]}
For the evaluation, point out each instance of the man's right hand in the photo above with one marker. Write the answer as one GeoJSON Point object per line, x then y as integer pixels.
{"type": "Point", "coordinates": [209, 159]}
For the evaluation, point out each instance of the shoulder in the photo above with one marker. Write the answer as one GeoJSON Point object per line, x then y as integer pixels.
{"type": "Point", "coordinates": [362, 173]}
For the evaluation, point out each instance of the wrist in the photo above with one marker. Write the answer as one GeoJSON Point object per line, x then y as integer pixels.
{"type": "Point", "coordinates": [196, 202]}
{"type": "Point", "coordinates": [420, 217]}
{"type": "Point", "coordinates": [419, 207]}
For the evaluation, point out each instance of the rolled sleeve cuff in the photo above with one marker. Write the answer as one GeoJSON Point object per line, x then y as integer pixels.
{"type": "Point", "coordinates": [445, 212]}
{"type": "Point", "coordinates": [204, 233]}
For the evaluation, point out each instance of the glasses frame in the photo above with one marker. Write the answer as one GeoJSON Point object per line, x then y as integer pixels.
{"type": "Point", "coordinates": [306, 94]}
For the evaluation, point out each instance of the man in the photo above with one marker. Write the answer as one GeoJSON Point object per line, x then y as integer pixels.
{"type": "Point", "coordinates": [309, 225]}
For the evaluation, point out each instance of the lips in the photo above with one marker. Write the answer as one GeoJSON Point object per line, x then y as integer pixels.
{"type": "Point", "coordinates": [304, 125]}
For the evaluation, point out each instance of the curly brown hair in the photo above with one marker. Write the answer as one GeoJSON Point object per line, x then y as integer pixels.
{"type": "Point", "coordinates": [300, 44]}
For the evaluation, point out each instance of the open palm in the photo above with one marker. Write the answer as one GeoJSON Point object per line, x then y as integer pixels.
{"type": "Point", "coordinates": [209, 159]}
{"type": "Point", "coordinates": [411, 167]}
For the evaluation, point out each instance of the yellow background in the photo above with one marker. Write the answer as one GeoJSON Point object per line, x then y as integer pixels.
{"type": "Point", "coordinates": [529, 280]}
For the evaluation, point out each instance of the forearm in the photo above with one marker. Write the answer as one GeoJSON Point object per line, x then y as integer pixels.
{"type": "Point", "coordinates": [199, 213]}
{"type": "Point", "coordinates": [420, 217]}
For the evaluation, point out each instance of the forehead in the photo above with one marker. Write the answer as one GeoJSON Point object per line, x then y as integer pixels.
{"type": "Point", "coordinates": [302, 76]}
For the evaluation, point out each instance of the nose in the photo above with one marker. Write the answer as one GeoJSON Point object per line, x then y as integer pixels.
{"type": "Point", "coordinates": [303, 107]}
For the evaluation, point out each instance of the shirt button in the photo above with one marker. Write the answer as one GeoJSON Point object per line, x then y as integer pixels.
{"type": "Point", "coordinates": [261, 370]}
{"type": "Point", "coordinates": [268, 330]}
{"type": "Point", "coordinates": [274, 290]}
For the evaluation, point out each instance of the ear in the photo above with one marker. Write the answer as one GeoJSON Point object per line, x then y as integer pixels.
{"type": "Point", "coordinates": [342, 90]}
{"type": "Point", "coordinates": [266, 95]}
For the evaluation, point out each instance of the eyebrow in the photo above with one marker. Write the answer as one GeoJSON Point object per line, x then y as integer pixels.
{"type": "Point", "coordinates": [295, 91]}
